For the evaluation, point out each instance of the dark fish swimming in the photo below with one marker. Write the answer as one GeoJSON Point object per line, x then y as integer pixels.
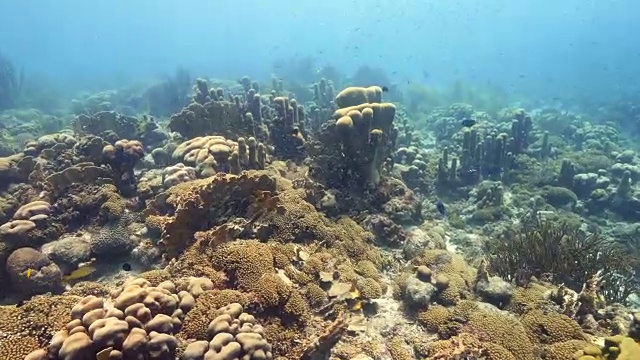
{"type": "Point", "coordinates": [126, 267]}
{"type": "Point", "coordinates": [385, 89]}
{"type": "Point", "coordinates": [442, 209]}
{"type": "Point", "coordinates": [468, 122]}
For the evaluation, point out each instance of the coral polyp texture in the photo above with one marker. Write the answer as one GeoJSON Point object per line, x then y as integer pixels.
{"type": "Point", "coordinates": [286, 221]}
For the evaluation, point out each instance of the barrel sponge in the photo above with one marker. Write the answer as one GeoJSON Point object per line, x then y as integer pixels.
{"type": "Point", "coordinates": [353, 96]}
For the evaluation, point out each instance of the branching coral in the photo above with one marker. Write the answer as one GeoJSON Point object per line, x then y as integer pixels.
{"type": "Point", "coordinates": [286, 129]}
{"type": "Point", "coordinates": [210, 113]}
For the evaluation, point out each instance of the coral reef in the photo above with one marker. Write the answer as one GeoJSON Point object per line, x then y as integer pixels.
{"type": "Point", "coordinates": [280, 221]}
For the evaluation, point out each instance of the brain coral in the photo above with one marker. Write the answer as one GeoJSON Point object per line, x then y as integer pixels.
{"type": "Point", "coordinates": [113, 238]}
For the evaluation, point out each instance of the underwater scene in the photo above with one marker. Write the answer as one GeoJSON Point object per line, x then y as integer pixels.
{"type": "Point", "coordinates": [319, 180]}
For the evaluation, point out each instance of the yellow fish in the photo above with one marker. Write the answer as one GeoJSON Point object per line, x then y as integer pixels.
{"type": "Point", "coordinates": [28, 273]}
{"type": "Point", "coordinates": [79, 273]}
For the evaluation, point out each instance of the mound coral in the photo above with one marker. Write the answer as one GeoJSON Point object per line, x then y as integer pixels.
{"type": "Point", "coordinates": [452, 279]}
{"type": "Point", "coordinates": [33, 323]}
{"type": "Point", "coordinates": [615, 347]}
{"type": "Point", "coordinates": [31, 272]}
{"type": "Point", "coordinates": [176, 174]}
{"type": "Point", "coordinates": [83, 173]}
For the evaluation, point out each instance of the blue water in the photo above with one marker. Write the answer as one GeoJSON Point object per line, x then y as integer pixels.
{"type": "Point", "coordinates": [543, 48]}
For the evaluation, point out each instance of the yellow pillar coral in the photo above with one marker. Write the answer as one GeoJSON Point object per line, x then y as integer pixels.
{"type": "Point", "coordinates": [353, 96]}
{"type": "Point", "coordinates": [364, 131]}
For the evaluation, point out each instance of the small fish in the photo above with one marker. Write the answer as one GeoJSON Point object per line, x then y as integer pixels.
{"type": "Point", "coordinates": [126, 267]}
{"type": "Point", "coordinates": [385, 89]}
{"type": "Point", "coordinates": [442, 209]}
{"type": "Point", "coordinates": [79, 273]}
{"type": "Point", "coordinates": [468, 122]}
{"type": "Point", "coordinates": [28, 273]}
{"type": "Point", "coordinates": [20, 303]}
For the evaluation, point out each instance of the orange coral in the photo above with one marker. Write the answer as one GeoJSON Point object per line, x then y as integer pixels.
{"type": "Point", "coordinates": [194, 201]}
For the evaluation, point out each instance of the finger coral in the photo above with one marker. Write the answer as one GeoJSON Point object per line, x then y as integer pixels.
{"type": "Point", "coordinates": [213, 154]}
{"type": "Point", "coordinates": [232, 334]}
